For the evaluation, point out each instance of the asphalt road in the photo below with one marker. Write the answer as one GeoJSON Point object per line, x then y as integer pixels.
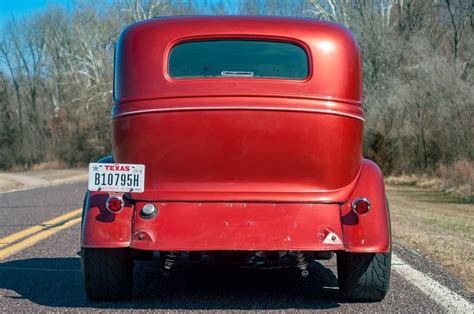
{"type": "Point", "coordinates": [47, 275]}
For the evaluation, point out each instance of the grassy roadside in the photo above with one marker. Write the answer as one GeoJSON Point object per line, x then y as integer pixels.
{"type": "Point", "coordinates": [437, 224]}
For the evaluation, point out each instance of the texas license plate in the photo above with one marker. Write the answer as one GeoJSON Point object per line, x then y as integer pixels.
{"type": "Point", "coordinates": [116, 177]}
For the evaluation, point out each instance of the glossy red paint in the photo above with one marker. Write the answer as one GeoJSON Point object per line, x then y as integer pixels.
{"type": "Point", "coordinates": [142, 59]}
{"type": "Point", "coordinates": [239, 139]}
{"type": "Point", "coordinates": [289, 150]}
{"type": "Point", "coordinates": [369, 232]}
{"type": "Point", "coordinates": [240, 226]}
{"type": "Point", "coordinates": [246, 226]}
{"type": "Point", "coordinates": [241, 155]}
{"type": "Point", "coordinates": [103, 229]}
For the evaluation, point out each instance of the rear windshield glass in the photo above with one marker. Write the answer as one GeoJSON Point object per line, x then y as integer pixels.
{"type": "Point", "coordinates": [238, 58]}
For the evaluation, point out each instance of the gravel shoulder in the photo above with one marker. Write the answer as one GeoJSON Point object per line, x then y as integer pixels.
{"type": "Point", "coordinates": [39, 178]}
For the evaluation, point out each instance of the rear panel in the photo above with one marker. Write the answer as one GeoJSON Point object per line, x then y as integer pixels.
{"type": "Point", "coordinates": [240, 154]}
{"type": "Point", "coordinates": [265, 137]}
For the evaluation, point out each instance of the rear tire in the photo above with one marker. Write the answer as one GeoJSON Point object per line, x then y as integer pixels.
{"type": "Point", "coordinates": [363, 276]}
{"type": "Point", "coordinates": [108, 273]}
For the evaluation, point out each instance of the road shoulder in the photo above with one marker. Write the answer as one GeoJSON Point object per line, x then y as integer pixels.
{"type": "Point", "coordinates": [13, 181]}
{"type": "Point", "coordinates": [432, 279]}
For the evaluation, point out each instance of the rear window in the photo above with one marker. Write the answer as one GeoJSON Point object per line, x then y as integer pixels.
{"type": "Point", "coordinates": [238, 58]}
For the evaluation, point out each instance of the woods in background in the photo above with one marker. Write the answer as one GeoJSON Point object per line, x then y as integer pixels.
{"type": "Point", "coordinates": [56, 77]}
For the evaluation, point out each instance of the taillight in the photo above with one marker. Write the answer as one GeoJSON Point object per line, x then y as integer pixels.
{"type": "Point", "coordinates": [361, 206]}
{"type": "Point", "coordinates": [114, 204]}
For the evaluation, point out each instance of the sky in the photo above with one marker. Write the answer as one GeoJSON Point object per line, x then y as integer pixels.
{"type": "Point", "coordinates": [20, 8]}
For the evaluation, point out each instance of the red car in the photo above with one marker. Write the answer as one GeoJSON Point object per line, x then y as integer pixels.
{"type": "Point", "coordinates": [239, 138]}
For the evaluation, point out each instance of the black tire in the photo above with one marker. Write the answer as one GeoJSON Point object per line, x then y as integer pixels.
{"type": "Point", "coordinates": [363, 276]}
{"type": "Point", "coordinates": [108, 273]}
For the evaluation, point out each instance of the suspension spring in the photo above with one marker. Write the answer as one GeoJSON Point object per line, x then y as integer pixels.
{"type": "Point", "coordinates": [302, 262]}
{"type": "Point", "coordinates": [169, 260]}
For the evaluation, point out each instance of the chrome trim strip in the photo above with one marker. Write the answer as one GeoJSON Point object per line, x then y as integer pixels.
{"type": "Point", "coordinates": [157, 110]}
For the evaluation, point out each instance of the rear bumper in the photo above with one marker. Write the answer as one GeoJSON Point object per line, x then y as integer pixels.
{"type": "Point", "coordinates": [190, 226]}
{"type": "Point", "coordinates": [239, 226]}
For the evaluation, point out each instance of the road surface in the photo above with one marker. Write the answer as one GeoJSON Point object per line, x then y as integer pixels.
{"type": "Point", "coordinates": [40, 271]}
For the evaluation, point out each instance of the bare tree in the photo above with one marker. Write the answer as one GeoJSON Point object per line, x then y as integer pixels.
{"type": "Point", "coordinates": [57, 74]}
{"type": "Point", "coordinates": [459, 13]}
{"type": "Point", "coordinates": [137, 10]}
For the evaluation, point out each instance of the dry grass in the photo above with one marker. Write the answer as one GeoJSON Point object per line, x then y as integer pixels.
{"type": "Point", "coordinates": [437, 224]}
{"type": "Point", "coordinates": [41, 166]}
{"type": "Point", "coordinates": [456, 179]}
{"type": "Point", "coordinates": [6, 184]}
{"type": "Point", "coordinates": [49, 165]}
{"type": "Point", "coordinates": [54, 175]}
{"type": "Point", "coordinates": [459, 178]}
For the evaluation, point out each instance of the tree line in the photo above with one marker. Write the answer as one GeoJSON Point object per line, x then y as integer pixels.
{"type": "Point", "coordinates": [56, 72]}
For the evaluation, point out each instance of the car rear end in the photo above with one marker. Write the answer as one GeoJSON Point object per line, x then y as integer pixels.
{"type": "Point", "coordinates": [249, 131]}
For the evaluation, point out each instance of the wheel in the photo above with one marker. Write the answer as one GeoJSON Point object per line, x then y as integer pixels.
{"type": "Point", "coordinates": [108, 273]}
{"type": "Point", "coordinates": [363, 276]}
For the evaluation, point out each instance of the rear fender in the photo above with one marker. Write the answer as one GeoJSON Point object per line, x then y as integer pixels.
{"type": "Point", "coordinates": [369, 232]}
{"type": "Point", "coordinates": [101, 228]}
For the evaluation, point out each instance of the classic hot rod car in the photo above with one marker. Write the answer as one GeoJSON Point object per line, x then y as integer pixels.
{"type": "Point", "coordinates": [238, 138]}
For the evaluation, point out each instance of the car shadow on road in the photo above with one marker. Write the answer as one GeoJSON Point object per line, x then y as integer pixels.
{"type": "Point", "coordinates": [57, 282]}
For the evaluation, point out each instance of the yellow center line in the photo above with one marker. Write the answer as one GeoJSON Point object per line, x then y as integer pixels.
{"type": "Point", "coordinates": [38, 233]}
{"type": "Point", "coordinates": [40, 227]}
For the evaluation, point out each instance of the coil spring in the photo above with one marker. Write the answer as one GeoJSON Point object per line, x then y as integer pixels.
{"type": "Point", "coordinates": [302, 261]}
{"type": "Point", "coordinates": [170, 260]}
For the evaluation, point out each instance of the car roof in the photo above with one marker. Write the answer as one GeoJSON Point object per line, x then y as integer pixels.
{"type": "Point", "coordinates": [143, 49]}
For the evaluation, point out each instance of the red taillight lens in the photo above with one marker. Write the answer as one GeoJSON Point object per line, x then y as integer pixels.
{"type": "Point", "coordinates": [114, 204]}
{"type": "Point", "coordinates": [361, 206]}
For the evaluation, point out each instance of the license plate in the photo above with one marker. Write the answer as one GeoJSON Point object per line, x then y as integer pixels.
{"type": "Point", "coordinates": [116, 177]}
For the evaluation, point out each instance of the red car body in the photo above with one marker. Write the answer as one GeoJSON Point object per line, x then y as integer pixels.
{"type": "Point", "coordinates": [239, 163]}
{"type": "Point", "coordinates": [236, 163]}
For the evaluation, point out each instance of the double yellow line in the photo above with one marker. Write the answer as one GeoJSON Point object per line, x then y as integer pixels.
{"type": "Point", "coordinates": [11, 244]}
